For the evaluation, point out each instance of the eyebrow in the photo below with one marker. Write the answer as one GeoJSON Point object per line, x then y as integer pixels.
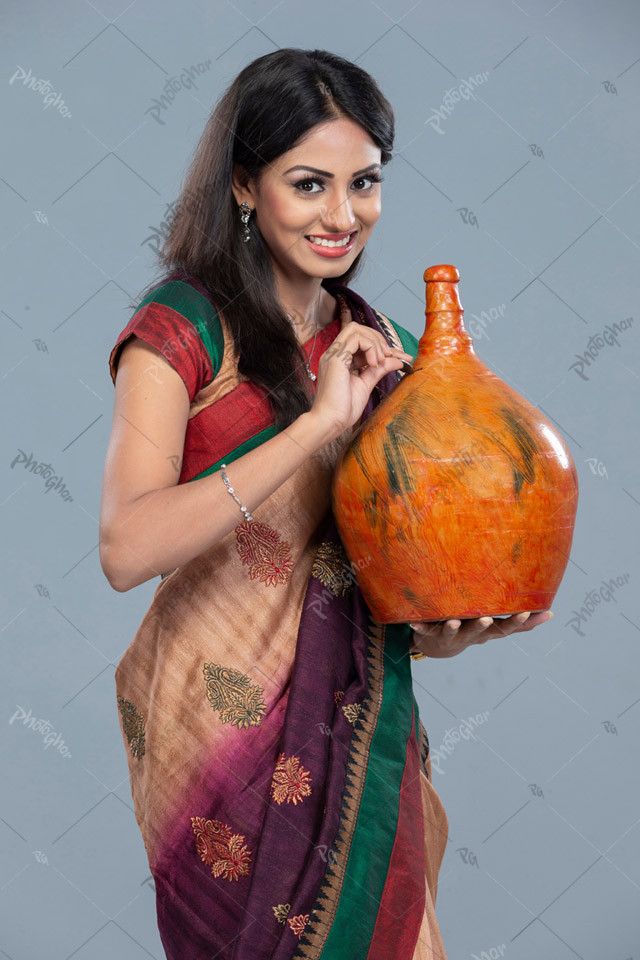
{"type": "Point", "coordinates": [325, 173]}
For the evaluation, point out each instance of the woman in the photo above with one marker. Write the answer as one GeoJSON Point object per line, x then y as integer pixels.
{"type": "Point", "coordinates": [279, 768]}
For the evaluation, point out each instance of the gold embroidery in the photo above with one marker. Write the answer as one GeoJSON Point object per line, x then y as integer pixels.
{"type": "Point", "coordinates": [361, 314]}
{"type": "Point", "coordinates": [268, 556]}
{"type": "Point", "coordinates": [338, 696]}
{"type": "Point", "coordinates": [329, 567]}
{"type": "Point", "coordinates": [351, 711]}
{"type": "Point", "coordinates": [290, 782]}
{"type": "Point", "coordinates": [298, 923]}
{"type": "Point", "coordinates": [231, 692]}
{"type": "Point", "coordinates": [389, 330]}
{"type": "Point", "coordinates": [223, 850]}
{"type": "Point", "coordinates": [133, 725]}
{"type": "Point", "coordinates": [281, 912]}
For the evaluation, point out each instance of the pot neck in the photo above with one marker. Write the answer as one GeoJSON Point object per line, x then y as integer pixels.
{"type": "Point", "coordinates": [444, 333]}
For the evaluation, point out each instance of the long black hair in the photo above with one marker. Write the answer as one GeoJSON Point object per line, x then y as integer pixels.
{"type": "Point", "coordinates": [270, 105]}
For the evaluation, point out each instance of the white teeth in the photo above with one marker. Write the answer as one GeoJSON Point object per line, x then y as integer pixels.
{"type": "Point", "coordinates": [330, 243]}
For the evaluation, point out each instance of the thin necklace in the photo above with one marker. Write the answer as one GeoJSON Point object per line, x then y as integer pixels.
{"type": "Point", "coordinates": [307, 363]}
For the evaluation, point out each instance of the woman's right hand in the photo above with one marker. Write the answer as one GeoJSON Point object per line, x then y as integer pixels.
{"type": "Point", "coordinates": [348, 371]}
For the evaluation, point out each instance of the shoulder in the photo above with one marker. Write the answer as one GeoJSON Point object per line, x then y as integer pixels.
{"type": "Point", "coordinates": [180, 320]}
{"type": "Point", "coordinates": [408, 341]}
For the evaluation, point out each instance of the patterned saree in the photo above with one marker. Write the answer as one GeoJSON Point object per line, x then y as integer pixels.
{"type": "Point", "coordinates": [279, 769]}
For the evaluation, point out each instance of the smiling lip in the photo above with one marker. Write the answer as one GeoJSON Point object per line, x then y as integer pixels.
{"type": "Point", "coordinates": [331, 236]}
{"type": "Point", "coordinates": [332, 251]}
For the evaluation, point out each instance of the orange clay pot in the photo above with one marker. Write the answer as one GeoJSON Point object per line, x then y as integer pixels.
{"type": "Point", "coordinates": [457, 498]}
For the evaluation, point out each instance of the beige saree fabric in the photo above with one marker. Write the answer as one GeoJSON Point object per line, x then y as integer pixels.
{"type": "Point", "coordinates": [436, 827]}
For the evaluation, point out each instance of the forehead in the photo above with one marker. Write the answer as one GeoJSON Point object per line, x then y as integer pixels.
{"type": "Point", "coordinates": [338, 146]}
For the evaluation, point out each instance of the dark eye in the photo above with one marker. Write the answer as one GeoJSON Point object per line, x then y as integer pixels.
{"type": "Point", "coordinates": [299, 185]}
{"type": "Point", "coordinates": [373, 178]}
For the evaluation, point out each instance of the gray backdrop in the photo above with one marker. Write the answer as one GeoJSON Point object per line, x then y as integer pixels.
{"type": "Point", "coordinates": [530, 187]}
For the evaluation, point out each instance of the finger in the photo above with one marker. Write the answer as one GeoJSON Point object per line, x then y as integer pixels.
{"type": "Point", "coordinates": [372, 354]}
{"type": "Point", "coordinates": [474, 630]}
{"type": "Point", "coordinates": [426, 626]}
{"type": "Point", "coordinates": [381, 351]}
{"type": "Point", "coordinates": [519, 622]}
{"type": "Point", "coordinates": [423, 628]}
{"type": "Point", "coordinates": [385, 350]}
{"type": "Point", "coordinates": [515, 621]}
{"type": "Point", "coordinates": [372, 374]}
{"type": "Point", "coordinates": [365, 357]}
{"type": "Point", "coordinates": [482, 625]}
{"type": "Point", "coordinates": [504, 626]}
{"type": "Point", "coordinates": [372, 343]}
{"type": "Point", "coordinates": [535, 619]}
{"type": "Point", "coordinates": [474, 626]}
{"type": "Point", "coordinates": [397, 352]}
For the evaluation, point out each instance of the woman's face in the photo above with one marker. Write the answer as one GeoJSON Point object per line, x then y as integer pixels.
{"type": "Point", "coordinates": [326, 187]}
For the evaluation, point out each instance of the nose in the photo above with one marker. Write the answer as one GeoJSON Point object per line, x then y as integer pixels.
{"type": "Point", "coordinates": [339, 218]}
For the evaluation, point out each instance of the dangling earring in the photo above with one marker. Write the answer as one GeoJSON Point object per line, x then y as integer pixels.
{"type": "Point", "coordinates": [245, 213]}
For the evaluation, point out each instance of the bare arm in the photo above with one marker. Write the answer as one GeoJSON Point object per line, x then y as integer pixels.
{"type": "Point", "coordinates": [148, 523]}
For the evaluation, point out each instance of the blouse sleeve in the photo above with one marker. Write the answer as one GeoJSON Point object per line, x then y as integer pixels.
{"type": "Point", "coordinates": [183, 325]}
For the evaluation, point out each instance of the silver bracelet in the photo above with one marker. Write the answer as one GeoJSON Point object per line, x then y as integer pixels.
{"type": "Point", "coordinates": [230, 490]}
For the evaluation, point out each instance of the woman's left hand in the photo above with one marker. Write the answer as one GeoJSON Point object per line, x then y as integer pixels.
{"type": "Point", "coordinates": [446, 638]}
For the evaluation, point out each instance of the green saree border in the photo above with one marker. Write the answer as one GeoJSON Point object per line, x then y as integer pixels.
{"type": "Point", "coordinates": [245, 447]}
{"type": "Point", "coordinates": [385, 720]}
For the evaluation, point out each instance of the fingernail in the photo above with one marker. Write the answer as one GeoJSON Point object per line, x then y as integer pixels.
{"type": "Point", "coordinates": [485, 621]}
{"type": "Point", "coordinates": [551, 614]}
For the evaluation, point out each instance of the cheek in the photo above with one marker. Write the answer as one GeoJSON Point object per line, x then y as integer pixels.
{"type": "Point", "coordinates": [281, 213]}
{"type": "Point", "coordinates": [374, 210]}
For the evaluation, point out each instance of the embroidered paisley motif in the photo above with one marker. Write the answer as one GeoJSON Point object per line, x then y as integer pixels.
{"type": "Point", "coordinates": [338, 696]}
{"type": "Point", "coordinates": [352, 711]}
{"type": "Point", "coordinates": [298, 923]}
{"type": "Point", "coordinates": [133, 725]}
{"type": "Point", "coordinates": [281, 912]}
{"type": "Point", "coordinates": [290, 782]}
{"type": "Point", "coordinates": [268, 557]}
{"type": "Point", "coordinates": [221, 849]}
{"type": "Point", "coordinates": [239, 701]}
{"type": "Point", "coordinates": [331, 567]}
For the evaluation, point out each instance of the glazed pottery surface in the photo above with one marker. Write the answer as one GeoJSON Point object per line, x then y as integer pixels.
{"type": "Point", "coordinates": [457, 498]}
